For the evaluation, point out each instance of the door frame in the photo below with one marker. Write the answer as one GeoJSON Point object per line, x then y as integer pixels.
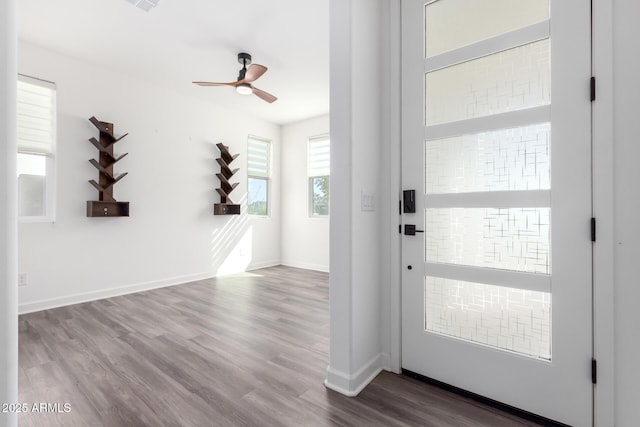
{"type": "Point", "coordinates": [602, 188]}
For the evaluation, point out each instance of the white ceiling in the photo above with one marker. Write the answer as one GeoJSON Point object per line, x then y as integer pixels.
{"type": "Point", "coordinates": [184, 40]}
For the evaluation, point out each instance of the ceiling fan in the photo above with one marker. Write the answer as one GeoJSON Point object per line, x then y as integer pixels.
{"type": "Point", "coordinates": [245, 78]}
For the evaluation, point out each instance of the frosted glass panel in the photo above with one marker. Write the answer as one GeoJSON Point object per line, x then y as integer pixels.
{"type": "Point", "coordinates": [511, 239]}
{"type": "Point", "coordinates": [511, 80]}
{"type": "Point", "coordinates": [503, 160]}
{"type": "Point", "coordinates": [507, 318]}
{"type": "Point", "coordinates": [452, 24]}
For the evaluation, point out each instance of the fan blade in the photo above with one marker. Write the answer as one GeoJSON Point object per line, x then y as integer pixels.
{"type": "Point", "coordinates": [264, 95]}
{"type": "Point", "coordinates": [215, 84]}
{"type": "Point", "coordinates": [254, 72]}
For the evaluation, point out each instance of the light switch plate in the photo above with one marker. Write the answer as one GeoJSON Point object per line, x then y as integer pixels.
{"type": "Point", "coordinates": [367, 201]}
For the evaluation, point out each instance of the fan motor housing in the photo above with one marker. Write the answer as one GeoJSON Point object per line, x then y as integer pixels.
{"type": "Point", "coordinates": [244, 58]}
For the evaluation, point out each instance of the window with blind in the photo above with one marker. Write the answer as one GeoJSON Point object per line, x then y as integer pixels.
{"type": "Point", "coordinates": [318, 166]}
{"type": "Point", "coordinates": [258, 171]}
{"type": "Point", "coordinates": [36, 134]}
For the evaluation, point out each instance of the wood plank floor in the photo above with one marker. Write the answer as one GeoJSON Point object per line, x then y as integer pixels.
{"type": "Point", "coordinates": [244, 350]}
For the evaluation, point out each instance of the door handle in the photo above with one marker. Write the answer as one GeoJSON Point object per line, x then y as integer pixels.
{"type": "Point", "coordinates": [410, 230]}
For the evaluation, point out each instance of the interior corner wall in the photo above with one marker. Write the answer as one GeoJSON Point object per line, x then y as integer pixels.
{"type": "Point", "coordinates": [305, 239]}
{"type": "Point", "coordinates": [356, 354]}
{"type": "Point", "coordinates": [172, 235]}
{"type": "Point", "coordinates": [626, 68]}
{"type": "Point", "coordinates": [8, 214]}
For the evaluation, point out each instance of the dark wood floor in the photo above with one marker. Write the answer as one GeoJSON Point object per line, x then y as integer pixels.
{"type": "Point", "coordinates": [245, 350]}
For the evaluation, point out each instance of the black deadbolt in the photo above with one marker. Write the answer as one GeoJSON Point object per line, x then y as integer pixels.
{"type": "Point", "coordinates": [409, 199]}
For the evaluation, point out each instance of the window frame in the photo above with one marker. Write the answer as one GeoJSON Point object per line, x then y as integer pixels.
{"type": "Point", "coordinates": [49, 153]}
{"type": "Point", "coordinates": [314, 172]}
{"type": "Point", "coordinates": [266, 175]}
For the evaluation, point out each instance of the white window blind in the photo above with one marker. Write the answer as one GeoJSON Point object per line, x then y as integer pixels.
{"type": "Point", "coordinates": [319, 155]}
{"type": "Point", "coordinates": [258, 157]}
{"type": "Point", "coordinates": [36, 125]}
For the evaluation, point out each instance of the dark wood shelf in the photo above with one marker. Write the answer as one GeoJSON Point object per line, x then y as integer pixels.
{"type": "Point", "coordinates": [106, 205]}
{"type": "Point", "coordinates": [225, 155]}
{"type": "Point", "coordinates": [226, 209]}
{"type": "Point", "coordinates": [226, 206]}
{"type": "Point", "coordinates": [107, 209]}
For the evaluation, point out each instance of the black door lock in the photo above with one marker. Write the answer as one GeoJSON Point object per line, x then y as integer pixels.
{"type": "Point", "coordinates": [410, 230]}
{"type": "Point", "coordinates": [409, 199]}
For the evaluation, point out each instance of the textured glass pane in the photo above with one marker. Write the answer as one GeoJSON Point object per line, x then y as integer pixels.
{"type": "Point", "coordinates": [511, 239]}
{"type": "Point", "coordinates": [511, 80]}
{"type": "Point", "coordinates": [503, 160]}
{"type": "Point", "coordinates": [257, 200]}
{"type": "Point", "coordinates": [507, 318]}
{"type": "Point", "coordinates": [452, 24]}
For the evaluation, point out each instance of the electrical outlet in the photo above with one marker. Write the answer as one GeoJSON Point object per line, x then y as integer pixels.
{"type": "Point", "coordinates": [23, 279]}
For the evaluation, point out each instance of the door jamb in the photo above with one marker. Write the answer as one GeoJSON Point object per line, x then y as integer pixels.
{"type": "Point", "coordinates": [395, 168]}
{"type": "Point", "coordinates": [603, 211]}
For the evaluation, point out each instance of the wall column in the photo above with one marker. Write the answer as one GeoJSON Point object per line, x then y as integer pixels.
{"type": "Point", "coordinates": [340, 259]}
{"type": "Point", "coordinates": [8, 213]}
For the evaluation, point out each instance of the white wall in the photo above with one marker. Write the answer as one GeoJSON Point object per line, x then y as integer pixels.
{"type": "Point", "coordinates": [171, 235]}
{"type": "Point", "coordinates": [626, 69]}
{"type": "Point", "coordinates": [356, 350]}
{"type": "Point", "coordinates": [8, 214]}
{"type": "Point", "coordinates": [305, 239]}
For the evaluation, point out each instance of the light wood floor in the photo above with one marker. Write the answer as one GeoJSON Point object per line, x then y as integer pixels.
{"type": "Point", "coordinates": [246, 350]}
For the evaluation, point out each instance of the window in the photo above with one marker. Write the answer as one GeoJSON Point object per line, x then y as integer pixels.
{"type": "Point", "coordinates": [36, 132]}
{"type": "Point", "coordinates": [258, 170]}
{"type": "Point", "coordinates": [318, 171]}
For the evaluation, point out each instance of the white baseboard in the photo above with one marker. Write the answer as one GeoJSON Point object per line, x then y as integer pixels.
{"type": "Point", "coordinates": [385, 362]}
{"type": "Point", "coordinates": [263, 264]}
{"type": "Point", "coordinates": [47, 304]}
{"type": "Point", "coordinates": [352, 385]}
{"type": "Point", "coordinates": [306, 266]}
{"type": "Point", "coordinates": [78, 298]}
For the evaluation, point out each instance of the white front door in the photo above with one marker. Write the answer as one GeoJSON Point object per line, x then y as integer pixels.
{"type": "Point", "coordinates": [496, 286]}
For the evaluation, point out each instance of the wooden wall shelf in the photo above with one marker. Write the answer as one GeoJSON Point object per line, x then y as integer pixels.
{"type": "Point", "coordinates": [95, 208]}
{"type": "Point", "coordinates": [106, 205]}
{"type": "Point", "coordinates": [226, 206]}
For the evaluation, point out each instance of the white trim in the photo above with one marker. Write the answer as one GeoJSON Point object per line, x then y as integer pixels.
{"type": "Point", "coordinates": [340, 222]}
{"type": "Point", "coordinates": [78, 298]}
{"type": "Point", "coordinates": [352, 385]}
{"type": "Point", "coordinates": [490, 199]}
{"type": "Point", "coordinates": [395, 172]}
{"type": "Point", "coordinates": [306, 265]}
{"type": "Point", "coordinates": [8, 212]}
{"type": "Point", "coordinates": [510, 40]}
{"type": "Point", "coordinates": [262, 264]}
{"type": "Point", "coordinates": [508, 120]}
{"type": "Point", "coordinates": [490, 276]}
{"type": "Point", "coordinates": [603, 207]}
